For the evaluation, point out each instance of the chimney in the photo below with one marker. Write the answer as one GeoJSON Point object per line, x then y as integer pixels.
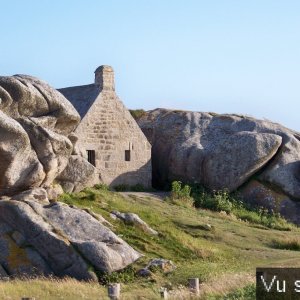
{"type": "Point", "coordinates": [104, 78]}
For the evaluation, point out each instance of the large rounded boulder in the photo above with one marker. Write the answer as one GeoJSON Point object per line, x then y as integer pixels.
{"type": "Point", "coordinates": [222, 151]}
{"type": "Point", "coordinates": [35, 122]}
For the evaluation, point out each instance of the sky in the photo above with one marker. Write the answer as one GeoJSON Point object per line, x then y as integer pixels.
{"type": "Point", "coordinates": [226, 56]}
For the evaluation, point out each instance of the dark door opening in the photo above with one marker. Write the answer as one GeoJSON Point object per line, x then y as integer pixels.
{"type": "Point", "coordinates": [91, 157]}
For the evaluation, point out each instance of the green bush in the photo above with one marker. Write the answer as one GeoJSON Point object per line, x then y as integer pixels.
{"type": "Point", "coordinates": [181, 194]}
{"type": "Point", "coordinates": [217, 201]}
{"type": "Point", "coordinates": [230, 203]}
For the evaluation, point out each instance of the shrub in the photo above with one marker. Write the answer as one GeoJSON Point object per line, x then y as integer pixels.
{"type": "Point", "coordinates": [181, 195]}
{"type": "Point", "coordinates": [217, 201]}
{"type": "Point", "coordinates": [180, 192]}
{"type": "Point", "coordinates": [126, 275]}
{"type": "Point", "coordinates": [230, 203]}
{"type": "Point", "coordinates": [101, 186]}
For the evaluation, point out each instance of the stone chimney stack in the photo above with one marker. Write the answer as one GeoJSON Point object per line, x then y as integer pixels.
{"type": "Point", "coordinates": [104, 78]}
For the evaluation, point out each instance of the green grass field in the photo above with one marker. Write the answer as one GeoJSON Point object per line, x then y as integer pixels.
{"type": "Point", "coordinates": [223, 255]}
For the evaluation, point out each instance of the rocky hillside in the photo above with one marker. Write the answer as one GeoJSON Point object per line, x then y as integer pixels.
{"type": "Point", "coordinates": [258, 158]}
{"type": "Point", "coordinates": [200, 243]}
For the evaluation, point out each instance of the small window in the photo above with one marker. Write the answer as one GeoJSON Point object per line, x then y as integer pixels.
{"type": "Point", "coordinates": [127, 155]}
{"type": "Point", "coordinates": [91, 157]}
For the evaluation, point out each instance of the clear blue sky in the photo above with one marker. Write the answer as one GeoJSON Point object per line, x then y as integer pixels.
{"type": "Point", "coordinates": [224, 56]}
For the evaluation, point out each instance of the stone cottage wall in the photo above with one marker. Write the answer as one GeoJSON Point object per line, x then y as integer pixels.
{"type": "Point", "coordinates": [109, 130]}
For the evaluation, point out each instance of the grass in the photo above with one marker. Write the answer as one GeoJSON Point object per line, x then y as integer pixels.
{"type": "Point", "coordinates": [245, 293]}
{"type": "Point", "coordinates": [220, 249]}
{"type": "Point", "coordinates": [231, 204]}
{"type": "Point", "coordinates": [51, 289]}
{"type": "Point", "coordinates": [287, 244]}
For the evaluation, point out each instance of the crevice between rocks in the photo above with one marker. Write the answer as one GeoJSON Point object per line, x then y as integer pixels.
{"type": "Point", "coordinates": [259, 172]}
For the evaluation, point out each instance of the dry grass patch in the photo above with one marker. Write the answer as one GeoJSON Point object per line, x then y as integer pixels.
{"type": "Point", "coordinates": [292, 243]}
{"type": "Point", "coordinates": [51, 289]}
{"type": "Point", "coordinates": [220, 286]}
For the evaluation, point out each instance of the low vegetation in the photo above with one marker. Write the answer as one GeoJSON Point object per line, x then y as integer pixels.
{"type": "Point", "coordinates": [222, 201]}
{"type": "Point", "coordinates": [51, 289]}
{"type": "Point", "coordinates": [287, 244]}
{"type": "Point", "coordinates": [246, 293]}
{"type": "Point", "coordinates": [217, 245]}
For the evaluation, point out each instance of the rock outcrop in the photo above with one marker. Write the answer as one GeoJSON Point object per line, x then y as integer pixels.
{"type": "Point", "coordinates": [78, 174]}
{"type": "Point", "coordinates": [43, 239]}
{"type": "Point", "coordinates": [222, 151]}
{"type": "Point", "coordinates": [135, 220]}
{"type": "Point", "coordinates": [259, 194]}
{"type": "Point", "coordinates": [35, 122]}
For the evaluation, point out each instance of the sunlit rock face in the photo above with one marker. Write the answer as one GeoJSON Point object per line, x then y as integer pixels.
{"type": "Point", "coordinates": [223, 151]}
{"type": "Point", "coordinates": [35, 121]}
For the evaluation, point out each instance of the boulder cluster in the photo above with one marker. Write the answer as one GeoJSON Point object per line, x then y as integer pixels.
{"type": "Point", "coordinates": [259, 158]}
{"type": "Point", "coordinates": [37, 159]}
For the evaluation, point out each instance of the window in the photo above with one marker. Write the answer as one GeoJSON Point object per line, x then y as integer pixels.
{"type": "Point", "coordinates": [91, 157]}
{"type": "Point", "coordinates": [127, 155]}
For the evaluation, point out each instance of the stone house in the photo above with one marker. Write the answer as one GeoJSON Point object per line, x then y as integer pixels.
{"type": "Point", "coordinates": [108, 136]}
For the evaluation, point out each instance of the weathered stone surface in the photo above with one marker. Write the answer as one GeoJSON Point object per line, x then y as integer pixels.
{"type": "Point", "coordinates": [165, 265]}
{"type": "Point", "coordinates": [37, 239]}
{"type": "Point", "coordinates": [99, 218]}
{"type": "Point", "coordinates": [18, 238]}
{"type": "Point", "coordinates": [221, 151]}
{"type": "Point", "coordinates": [55, 249]}
{"type": "Point", "coordinates": [37, 194]}
{"type": "Point", "coordinates": [134, 219]}
{"type": "Point", "coordinates": [144, 272]}
{"type": "Point", "coordinates": [258, 194]}
{"type": "Point", "coordinates": [156, 264]}
{"type": "Point", "coordinates": [18, 260]}
{"type": "Point", "coordinates": [96, 243]}
{"type": "Point", "coordinates": [54, 191]}
{"type": "Point", "coordinates": [236, 157]}
{"type": "Point", "coordinates": [16, 158]}
{"type": "Point", "coordinates": [35, 123]}
{"type": "Point", "coordinates": [78, 174]}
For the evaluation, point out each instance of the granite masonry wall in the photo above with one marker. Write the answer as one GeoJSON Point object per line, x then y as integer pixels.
{"type": "Point", "coordinates": [122, 152]}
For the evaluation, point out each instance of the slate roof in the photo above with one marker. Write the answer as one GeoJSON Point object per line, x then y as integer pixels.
{"type": "Point", "coordinates": [82, 97]}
